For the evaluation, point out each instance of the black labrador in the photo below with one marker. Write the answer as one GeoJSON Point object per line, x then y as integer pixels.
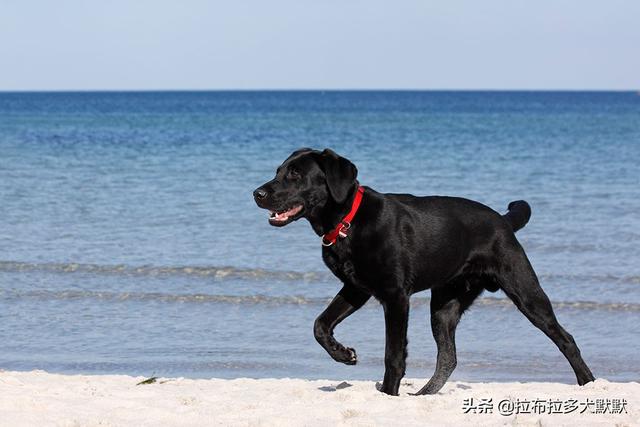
{"type": "Point", "coordinates": [399, 244]}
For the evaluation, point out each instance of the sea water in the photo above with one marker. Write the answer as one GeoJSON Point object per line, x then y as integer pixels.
{"type": "Point", "coordinates": [130, 242]}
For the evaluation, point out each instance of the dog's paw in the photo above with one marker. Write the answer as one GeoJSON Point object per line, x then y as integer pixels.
{"type": "Point", "coordinates": [386, 389]}
{"type": "Point", "coordinates": [344, 355]}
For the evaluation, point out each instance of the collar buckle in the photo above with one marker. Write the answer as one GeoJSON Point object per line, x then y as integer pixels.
{"type": "Point", "coordinates": [343, 230]}
{"type": "Point", "coordinates": [340, 231]}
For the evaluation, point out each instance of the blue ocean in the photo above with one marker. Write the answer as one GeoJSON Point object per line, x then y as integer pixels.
{"type": "Point", "coordinates": [130, 242]}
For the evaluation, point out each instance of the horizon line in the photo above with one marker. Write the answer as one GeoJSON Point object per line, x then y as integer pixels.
{"type": "Point", "coordinates": [310, 90]}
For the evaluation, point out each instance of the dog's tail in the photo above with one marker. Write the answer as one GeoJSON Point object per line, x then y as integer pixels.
{"type": "Point", "coordinates": [518, 214]}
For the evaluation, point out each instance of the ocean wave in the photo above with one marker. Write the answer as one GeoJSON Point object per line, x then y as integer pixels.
{"type": "Point", "coordinates": [217, 272]}
{"type": "Point", "coordinates": [296, 300]}
{"type": "Point", "coordinates": [591, 278]}
{"type": "Point", "coordinates": [228, 272]}
{"type": "Point", "coordinates": [163, 297]}
{"type": "Point", "coordinates": [577, 305]}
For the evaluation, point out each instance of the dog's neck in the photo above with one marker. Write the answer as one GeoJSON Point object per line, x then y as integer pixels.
{"type": "Point", "coordinates": [325, 219]}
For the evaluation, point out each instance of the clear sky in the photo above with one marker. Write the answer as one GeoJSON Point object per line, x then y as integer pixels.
{"type": "Point", "coordinates": [330, 44]}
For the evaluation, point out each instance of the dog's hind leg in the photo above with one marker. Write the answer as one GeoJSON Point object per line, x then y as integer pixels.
{"type": "Point", "coordinates": [521, 286]}
{"type": "Point", "coordinates": [342, 306]}
{"type": "Point", "coordinates": [447, 305]}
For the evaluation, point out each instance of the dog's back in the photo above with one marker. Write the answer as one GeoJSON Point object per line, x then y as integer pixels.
{"type": "Point", "coordinates": [517, 216]}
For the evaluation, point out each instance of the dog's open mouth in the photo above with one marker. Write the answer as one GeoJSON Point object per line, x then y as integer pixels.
{"type": "Point", "coordinates": [284, 217]}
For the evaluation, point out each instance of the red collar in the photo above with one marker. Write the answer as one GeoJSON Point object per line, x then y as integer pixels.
{"type": "Point", "coordinates": [341, 229]}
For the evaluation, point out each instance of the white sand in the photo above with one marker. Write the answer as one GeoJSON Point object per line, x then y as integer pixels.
{"type": "Point", "coordinates": [41, 399]}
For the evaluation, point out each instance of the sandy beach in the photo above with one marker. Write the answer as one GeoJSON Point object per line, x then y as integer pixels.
{"type": "Point", "coordinates": [40, 398]}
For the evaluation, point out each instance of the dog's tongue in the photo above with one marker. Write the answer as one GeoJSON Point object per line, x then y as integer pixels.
{"type": "Point", "coordinates": [284, 215]}
{"type": "Point", "coordinates": [275, 215]}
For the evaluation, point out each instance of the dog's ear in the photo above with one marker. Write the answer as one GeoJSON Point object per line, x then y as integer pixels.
{"type": "Point", "coordinates": [341, 174]}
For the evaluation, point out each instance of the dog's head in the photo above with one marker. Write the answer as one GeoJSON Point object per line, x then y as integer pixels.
{"type": "Point", "coordinates": [307, 182]}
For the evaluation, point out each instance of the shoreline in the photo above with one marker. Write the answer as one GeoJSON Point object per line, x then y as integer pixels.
{"type": "Point", "coordinates": [41, 398]}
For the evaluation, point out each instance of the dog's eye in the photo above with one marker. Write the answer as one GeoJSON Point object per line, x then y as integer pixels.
{"type": "Point", "coordinates": [293, 175]}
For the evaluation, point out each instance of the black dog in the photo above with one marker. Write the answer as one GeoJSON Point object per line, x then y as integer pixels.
{"type": "Point", "coordinates": [394, 245]}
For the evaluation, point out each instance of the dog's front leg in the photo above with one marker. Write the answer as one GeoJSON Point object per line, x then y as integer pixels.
{"type": "Point", "coordinates": [396, 317]}
{"type": "Point", "coordinates": [343, 305]}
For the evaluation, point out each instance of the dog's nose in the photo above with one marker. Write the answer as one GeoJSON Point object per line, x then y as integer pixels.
{"type": "Point", "coordinates": [259, 194]}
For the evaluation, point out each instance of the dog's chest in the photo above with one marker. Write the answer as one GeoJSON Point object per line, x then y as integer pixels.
{"type": "Point", "coordinates": [339, 259]}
